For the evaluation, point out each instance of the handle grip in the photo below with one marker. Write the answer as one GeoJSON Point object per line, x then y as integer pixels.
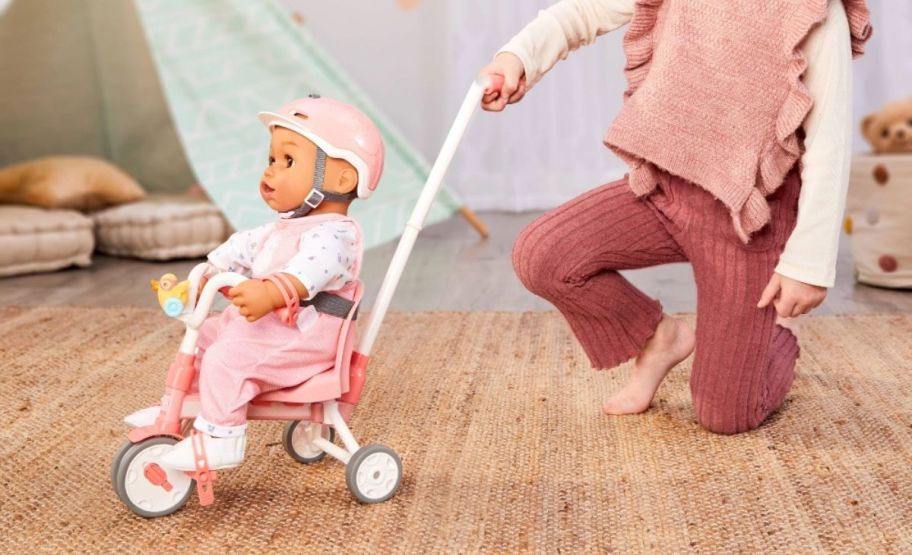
{"type": "Point", "coordinates": [196, 276]}
{"type": "Point", "coordinates": [212, 287]}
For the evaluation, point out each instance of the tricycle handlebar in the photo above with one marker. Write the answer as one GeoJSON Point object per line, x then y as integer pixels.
{"type": "Point", "coordinates": [199, 310]}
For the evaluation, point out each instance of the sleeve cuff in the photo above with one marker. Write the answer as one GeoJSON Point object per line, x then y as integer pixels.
{"type": "Point", "coordinates": [807, 275]}
{"type": "Point", "coordinates": [529, 67]}
{"type": "Point", "coordinates": [218, 259]}
{"type": "Point", "coordinates": [309, 282]}
{"type": "Point", "coordinates": [538, 46]}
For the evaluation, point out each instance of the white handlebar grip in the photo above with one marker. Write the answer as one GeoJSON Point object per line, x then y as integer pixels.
{"type": "Point", "coordinates": [196, 274]}
{"type": "Point", "coordinates": [216, 282]}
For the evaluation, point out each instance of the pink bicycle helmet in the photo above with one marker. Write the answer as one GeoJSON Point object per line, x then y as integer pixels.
{"type": "Point", "coordinates": [339, 130]}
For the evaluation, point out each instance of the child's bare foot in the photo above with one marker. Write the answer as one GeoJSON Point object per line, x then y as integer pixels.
{"type": "Point", "coordinates": [672, 342]}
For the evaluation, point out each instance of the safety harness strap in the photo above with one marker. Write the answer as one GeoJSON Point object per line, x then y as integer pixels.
{"type": "Point", "coordinates": [334, 305]}
{"type": "Point", "coordinates": [203, 475]}
{"type": "Point", "coordinates": [317, 194]}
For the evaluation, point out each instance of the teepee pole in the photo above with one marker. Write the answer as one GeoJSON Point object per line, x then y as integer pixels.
{"type": "Point", "coordinates": [474, 221]}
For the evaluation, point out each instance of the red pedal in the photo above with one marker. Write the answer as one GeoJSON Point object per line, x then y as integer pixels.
{"type": "Point", "coordinates": [157, 476]}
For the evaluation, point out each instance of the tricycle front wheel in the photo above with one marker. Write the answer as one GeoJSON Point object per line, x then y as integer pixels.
{"type": "Point", "coordinates": [145, 487]}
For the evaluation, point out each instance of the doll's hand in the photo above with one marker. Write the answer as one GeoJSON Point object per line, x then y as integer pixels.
{"type": "Point", "coordinates": [514, 83]}
{"type": "Point", "coordinates": [791, 297]}
{"type": "Point", "coordinates": [254, 298]}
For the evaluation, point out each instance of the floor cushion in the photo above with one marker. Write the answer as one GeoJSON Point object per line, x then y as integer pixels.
{"type": "Point", "coordinates": [879, 219]}
{"type": "Point", "coordinates": [40, 240]}
{"type": "Point", "coordinates": [75, 182]}
{"type": "Point", "coordinates": [160, 228]}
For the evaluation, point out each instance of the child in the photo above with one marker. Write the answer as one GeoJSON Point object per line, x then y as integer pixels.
{"type": "Point", "coordinates": [323, 153]}
{"type": "Point", "coordinates": [736, 127]}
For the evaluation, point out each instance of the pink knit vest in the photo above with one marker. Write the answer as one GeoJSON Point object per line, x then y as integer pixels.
{"type": "Point", "coordinates": [715, 95]}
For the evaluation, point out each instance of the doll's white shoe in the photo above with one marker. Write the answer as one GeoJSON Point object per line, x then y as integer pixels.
{"type": "Point", "coordinates": [143, 417]}
{"type": "Point", "coordinates": [221, 452]}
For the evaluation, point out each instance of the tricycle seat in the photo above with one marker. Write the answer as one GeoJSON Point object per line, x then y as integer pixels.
{"type": "Point", "coordinates": [331, 383]}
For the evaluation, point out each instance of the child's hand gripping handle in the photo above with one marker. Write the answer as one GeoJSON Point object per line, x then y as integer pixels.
{"type": "Point", "coordinates": [494, 84]}
{"type": "Point", "coordinates": [504, 82]}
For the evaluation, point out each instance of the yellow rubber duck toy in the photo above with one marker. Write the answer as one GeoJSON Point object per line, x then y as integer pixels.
{"type": "Point", "coordinates": [172, 296]}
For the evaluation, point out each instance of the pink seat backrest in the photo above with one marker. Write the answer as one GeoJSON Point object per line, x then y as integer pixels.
{"type": "Point", "coordinates": [347, 339]}
{"type": "Point", "coordinates": [332, 383]}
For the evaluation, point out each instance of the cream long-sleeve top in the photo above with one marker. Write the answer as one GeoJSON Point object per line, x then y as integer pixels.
{"type": "Point", "coordinates": [810, 253]}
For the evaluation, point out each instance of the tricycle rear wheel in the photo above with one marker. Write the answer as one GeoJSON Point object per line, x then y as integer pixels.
{"type": "Point", "coordinates": [297, 438]}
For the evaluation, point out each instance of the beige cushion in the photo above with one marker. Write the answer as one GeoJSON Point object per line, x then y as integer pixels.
{"type": "Point", "coordinates": [878, 219]}
{"type": "Point", "coordinates": [38, 240]}
{"type": "Point", "coordinates": [80, 183]}
{"type": "Point", "coordinates": [160, 229]}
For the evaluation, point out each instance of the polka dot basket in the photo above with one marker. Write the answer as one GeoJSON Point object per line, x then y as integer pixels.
{"type": "Point", "coordinates": [879, 219]}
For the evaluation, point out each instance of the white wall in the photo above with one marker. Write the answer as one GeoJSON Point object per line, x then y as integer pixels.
{"type": "Point", "coordinates": [417, 64]}
{"type": "Point", "coordinates": [393, 54]}
{"type": "Point", "coordinates": [885, 72]}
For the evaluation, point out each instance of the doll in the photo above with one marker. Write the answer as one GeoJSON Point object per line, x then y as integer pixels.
{"type": "Point", "coordinates": [322, 155]}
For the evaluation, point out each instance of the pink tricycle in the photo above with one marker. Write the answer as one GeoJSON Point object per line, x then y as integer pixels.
{"type": "Point", "coordinates": [317, 410]}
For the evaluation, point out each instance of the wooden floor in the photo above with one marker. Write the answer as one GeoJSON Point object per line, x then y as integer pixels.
{"type": "Point", "coordinates": [451, 269]}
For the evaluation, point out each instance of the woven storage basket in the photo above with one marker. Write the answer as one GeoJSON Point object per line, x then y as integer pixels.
{"type": "Point", "coordinates": [879, 219]}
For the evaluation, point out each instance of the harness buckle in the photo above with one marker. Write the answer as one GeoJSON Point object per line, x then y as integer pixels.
{"type": "Point", "coordinates": [309, 201]}
{"type": "Point", "coordinates": [333, 305]}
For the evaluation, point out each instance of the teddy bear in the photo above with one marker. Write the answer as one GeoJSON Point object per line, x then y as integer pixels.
{"type": "Point", "coordinates": [890, 129]}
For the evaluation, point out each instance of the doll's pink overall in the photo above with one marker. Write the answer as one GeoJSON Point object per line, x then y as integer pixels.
{"type": "Point", "coordinates": [239, 359]}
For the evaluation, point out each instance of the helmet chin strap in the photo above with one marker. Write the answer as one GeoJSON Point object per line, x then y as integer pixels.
{"type": "Point", "coordinates": [317, 195]}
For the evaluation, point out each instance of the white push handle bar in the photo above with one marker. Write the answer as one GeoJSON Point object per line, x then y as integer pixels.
{"type": "Point", "coordinates": [419, 214]}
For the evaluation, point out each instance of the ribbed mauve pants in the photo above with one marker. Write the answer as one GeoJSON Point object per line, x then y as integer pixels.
{"type": "Point", "coordinates": [744, 362]}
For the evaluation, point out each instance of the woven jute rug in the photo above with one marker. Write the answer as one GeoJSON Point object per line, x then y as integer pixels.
{"type": "Point", "coordinates": [496, 417]}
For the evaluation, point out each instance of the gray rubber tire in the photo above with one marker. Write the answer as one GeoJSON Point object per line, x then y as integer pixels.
{"type": "Point", "coordinates": [373, 474]}
{"type": "Point", "coordinates": [306, 457]}
{"type": "Point", "coordinates": [122, 462]}
{"type": "Point", "coordinates": [115, 464]}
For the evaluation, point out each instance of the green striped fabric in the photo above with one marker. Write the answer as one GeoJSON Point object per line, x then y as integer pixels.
{"type": "Point", "coordinates": [222, 61]}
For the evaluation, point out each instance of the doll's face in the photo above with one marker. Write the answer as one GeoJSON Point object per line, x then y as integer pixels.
{"type": "Point", "coordinates": [288, 176]}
